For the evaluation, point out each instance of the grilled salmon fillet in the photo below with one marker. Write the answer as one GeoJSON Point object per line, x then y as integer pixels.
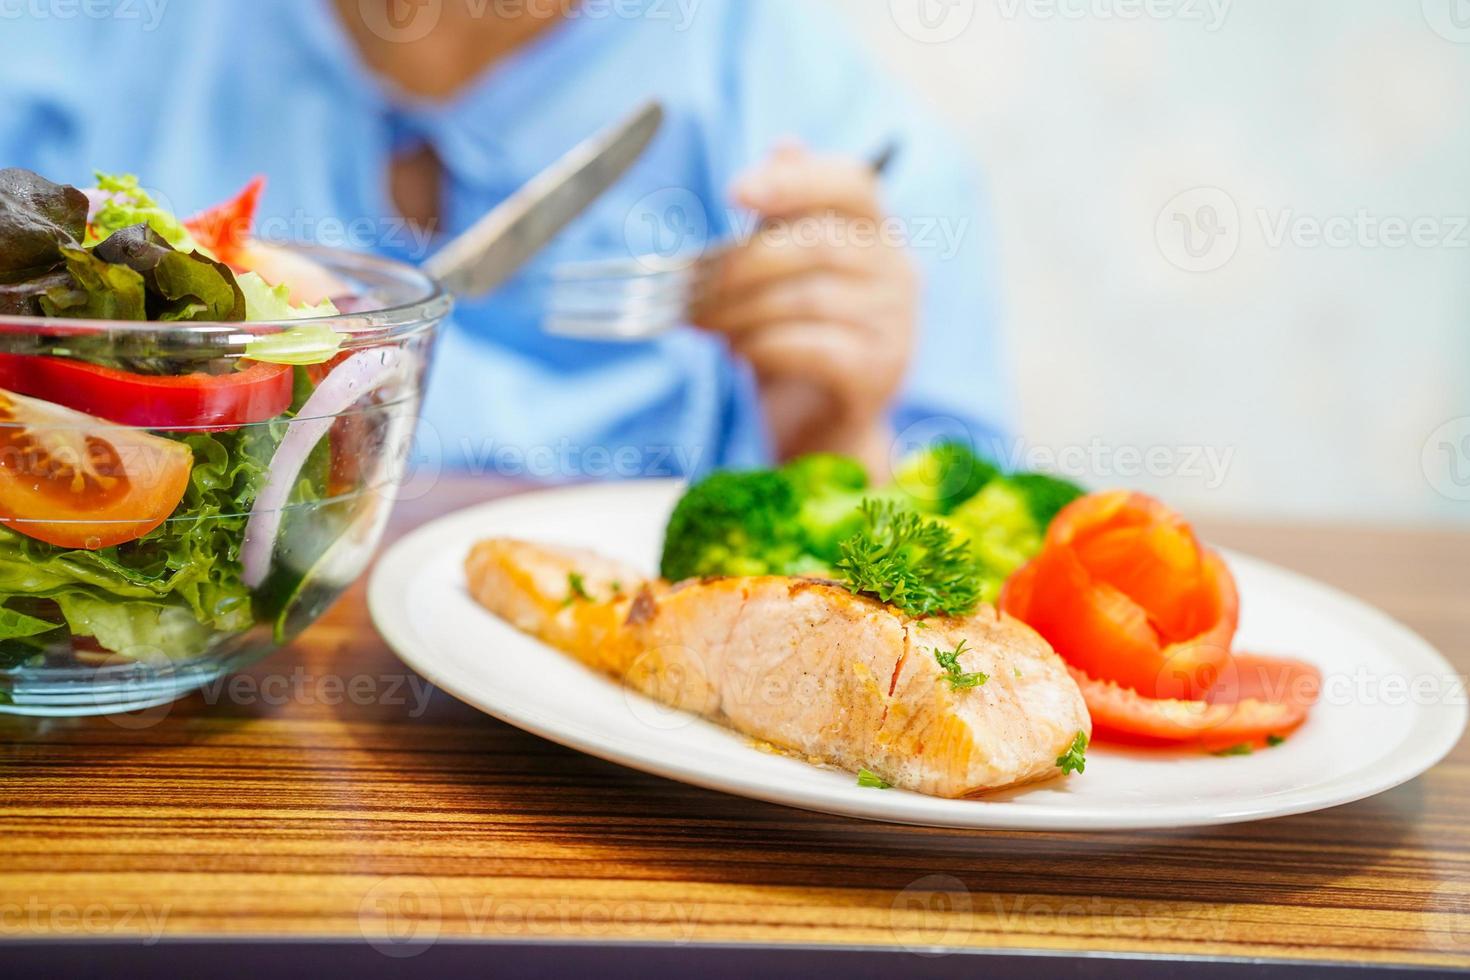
{"type": "Point", "coordinates": [803, 664]}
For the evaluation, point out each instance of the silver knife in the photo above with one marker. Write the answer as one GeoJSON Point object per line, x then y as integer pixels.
{"type": "Point", "coordinates": [498, 244]}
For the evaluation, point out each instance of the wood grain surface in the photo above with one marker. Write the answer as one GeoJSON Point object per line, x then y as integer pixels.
{"type": "Point", "coordinates": [329, 793]}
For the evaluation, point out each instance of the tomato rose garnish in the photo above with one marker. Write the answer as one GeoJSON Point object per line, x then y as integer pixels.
{"type": "Point", "coordinates": [1126, 593]}
{"type": "Point", "coordinates": [1145, 616]}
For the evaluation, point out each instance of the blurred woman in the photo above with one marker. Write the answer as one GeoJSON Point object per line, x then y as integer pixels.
{"type": "Point", "coordinates": [855, 312]}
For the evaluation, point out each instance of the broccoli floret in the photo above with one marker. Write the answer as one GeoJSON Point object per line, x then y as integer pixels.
{"type": "Point", "coordinates": [1045, 495]}
{"type": "Point", "coordinates": [735, 524]}
{"type": "Point", "coordinates": [830, 519]}
{"type": "Point", "coordinates": [943, 476]}
{"type": "Point", "coordinates": [830, 491]}
{"type": "Point", "coordinates": [825, 473]}
{"type": "Point", "coordinates": [1006, 522]}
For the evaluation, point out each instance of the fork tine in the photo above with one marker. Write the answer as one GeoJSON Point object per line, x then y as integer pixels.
{"type": "Point", "coordinates": [629, 268]}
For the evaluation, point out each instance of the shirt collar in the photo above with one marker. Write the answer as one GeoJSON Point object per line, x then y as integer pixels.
{"type": "Point", "coordinates": [481, 134]}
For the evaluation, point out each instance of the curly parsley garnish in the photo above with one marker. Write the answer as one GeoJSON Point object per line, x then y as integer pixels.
{"type": "Point", "coordinates": [1275, 740]}
{"type": "Point", "coordinates": [576, 589]}
{"type": "Point", "coordinates": [872, 780]}
{"type": "Point", "coordinates": [949, 662]}
{"type": "Point", "coordinates": [1075, 758]}
{"type": "Point", "coordinates": [910, 562]}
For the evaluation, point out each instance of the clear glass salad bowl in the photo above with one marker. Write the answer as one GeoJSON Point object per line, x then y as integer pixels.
{"type": "Point", "coordinates": [172, 509]}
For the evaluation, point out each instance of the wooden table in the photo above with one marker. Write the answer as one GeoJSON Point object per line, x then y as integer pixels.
{"type": "Point", "coordinates": [327, 794]}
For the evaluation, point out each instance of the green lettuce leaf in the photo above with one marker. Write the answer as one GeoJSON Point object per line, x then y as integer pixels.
{"type": "Point", "coordinates": [178, 587]}
{"type": "Point", "coordinates": [310, 343]}
{"type": "Point", "coordinates": [127, 205]}
{"type": "Point", "coordinates": [266, 302]}
{"type": "Point", "coordinates": [95, 289]}
{"type": "Point", "coordinates": [313, 344]}
{"type": "Point", "coordinates": [180, 286]}
{"type": "Point", "coordinates": [18, 626]}
{"type": "Point", "coordinates": [141, 631]}
{"type": "Point", "coordinates": [24, 298]}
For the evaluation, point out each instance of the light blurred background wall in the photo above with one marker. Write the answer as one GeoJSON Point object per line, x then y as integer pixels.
{"type": "Point", "coordinates": [1313, 330]}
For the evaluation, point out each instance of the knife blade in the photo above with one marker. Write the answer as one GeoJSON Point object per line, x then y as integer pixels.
{"type": "Point", "coordinates": [502, 241]}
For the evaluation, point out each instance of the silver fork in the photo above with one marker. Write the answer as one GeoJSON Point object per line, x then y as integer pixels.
{"type": "Point", "coordinates": [631, 299]}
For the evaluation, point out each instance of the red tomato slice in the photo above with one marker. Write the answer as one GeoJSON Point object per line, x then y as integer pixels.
{"type": "Point", "coordinates": [258, 393]}
{"type": "Point", "coordinates": [1124, 592]}
{"type": "Point", "coordinates": [225, 228]}
{"type": "Point", "coordinates": [78, 482]}
{"type": "Point", "coordinates": [1256, 697]}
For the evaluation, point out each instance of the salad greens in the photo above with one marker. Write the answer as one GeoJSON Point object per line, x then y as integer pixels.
{"type": "Point", "coordinates": [125, 204]}
{"type": "Point", "coordinates": [164, 593]}
{"type": "Point", "coordinates": [267, 302]}
{"type": "Point", "coordinates": [130, 260]}
{"type": "Point", "coordinates": [178, 286]}
{"type": "Point", "coordinates": [942, 538]}
{"type": "Point", "coordinates": [115, 253]}
{"type": "Point", "coordinates": [310, 343]}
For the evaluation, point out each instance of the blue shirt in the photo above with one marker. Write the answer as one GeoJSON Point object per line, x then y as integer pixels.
{"type": "Point", "coordinates": [206, 94]}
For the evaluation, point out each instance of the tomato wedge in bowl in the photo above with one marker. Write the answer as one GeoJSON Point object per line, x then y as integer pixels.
{"type": "Point", "coordinates": [78, 482]}
{"type": "Point", "coordinates": [1145, 617]}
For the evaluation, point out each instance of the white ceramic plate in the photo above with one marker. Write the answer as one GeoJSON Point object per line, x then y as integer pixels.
{"type": "Point", "coordinates": [1391, 707]}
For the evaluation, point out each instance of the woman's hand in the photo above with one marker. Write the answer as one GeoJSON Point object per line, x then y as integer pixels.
{"type": "Point", "coordinates": [823, 303]}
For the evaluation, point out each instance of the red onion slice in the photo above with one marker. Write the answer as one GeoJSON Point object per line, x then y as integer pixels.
{"type": "Point", "coordinates": [359, 375]}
